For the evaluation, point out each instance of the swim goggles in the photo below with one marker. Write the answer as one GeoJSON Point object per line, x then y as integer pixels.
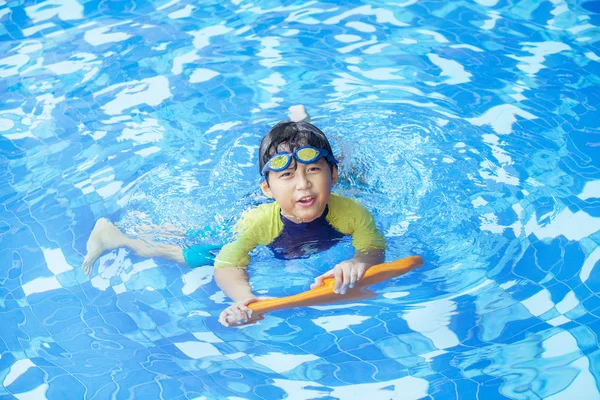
{"type": "Point", "coordinates": [303, 155]}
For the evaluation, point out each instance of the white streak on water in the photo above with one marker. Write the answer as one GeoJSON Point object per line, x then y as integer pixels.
{"type": "Point", "coordinates": [406, 388]}
{"type": "Point", "coordinates": [148, 131]}
{"type": "Point", "coordinates": [100, 36]}
{"type": "Point", "coordinates": [198, 350]}
{"type": "Point", "coordinates": [347, 38]}
{"type": "Point", "coordinates": [431, 319]}
{"type": "Point", "coordinates": [501, 118]}
{"type": "Point", "coordinates": [338, 306]}
{"type": "Point", "coordinates": [66, 10]}
{"type": "Point", "coordinates": [203, 75]}
{"type": "Point", "coordinates": [561, 7]}
{"type": "Point", "coordinates": [455, 71]}
{"type": "Point", "coordinates": [491, 23]}
{"type": "Point", "coordinates": [466, 46]}
{"type": "Point", "coordinates": [202, 36]}
{"type": "Point", "coordinates": [6, 124]}
{"type": "Point", "coordinates": [280, 363]}
{"type": "Point", "coordinates": [589, 264]}
{"type": "Point", "coordinates": [361, 26]}
{"type": "Point", "coordinates": [167, 5]}
{"type": "Point", "coordinates": [353, 60]}
{"type": "Point", "coordinates": [183, 13]}
{"type": "Point", "coordinates": [36, 394]}
{"type": "Point", "coordinates": [29, 46]}
{"type": "Point", "coordinates": [207, 337]}
{"type": "Point", "coordinates": [75, 63]}
{"type": "Point", "coordinates": [479, 201]}
{"type": "Point", "coordinates": [569, 302]}
{"type": "Point", "coordinates": [573, 226]}
{"type": "Point", "coordinates": [379, 74]}
{"type": "Point", "coordinates": [290, 32]}
{"type": "Point", "coordinates": [32, 30]}
{"type": "Point", "coordinates": [271, 56]}
{"type": "Point", "coordinates": [591, 190]}
{"type": "Point", "coordinates": [408, 41]}
{"type": "Point", "coordinates": [375, 49]}
{"type": "Point", "coordinates": [196, 278]}
{"type": "Point", "coordinates": [339, 322]}
{"type": "Point", "coordinates": [11, 65]}
{"type": "Point", "coordinates": [90, 74]}
{"type": "Point", "coordinates": [161, 47]}
{"type": "Point", "coordinates": [109, 190]}
{"type": "Point", "coordinates": [579, 388]}
{"type": "Point", "coordinates": [539, 303]}
{"type": "Point", "coordinates": [405, 4]}
{"type": "Point", "coordinates": [533, 64]}
{"type": "Point", "coordinates": [16, 370]}
{"type": "Point", "coordinates": [148, 151]}
{"type": "Point", "coordinates": [584, 39]}
{"type": "Point", "coordinates": [180, 61]}
{"type": "Point", "coordinates": [151, 91]}
{"type": "Point", "coordinates": [592, 56]}
{"type": "Point", "coordinates": [223, 126]}
{"type": "Point", "coordinates": [55, 260]}
{"type": "Point", "coordinates": [272, 84]}
{"type": "Point", "coordinates": [499, 154]}
{"type": "Point", "coordinates": [489, 222]}
{"type": "Point", "coordinates": [395, 295]}
{"type": "Point", "coordinates": [438, 37]}
{"type": "Point", "coordinates": [40, 285]}
{"type": "Point", "coordinates": [580, 28]}
{"type": "Point", "coordinates": [383, 16]}
{"type": "Point", "coordinates": [487, 3]}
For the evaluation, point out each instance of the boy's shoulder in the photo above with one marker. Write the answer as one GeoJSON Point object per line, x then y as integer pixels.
{"type": "Point", "coordinates": [261, 220]}
{"type": "Point", "coordinates": [265, 210]}
{"type": "Point", "coordinates": [343, 204]}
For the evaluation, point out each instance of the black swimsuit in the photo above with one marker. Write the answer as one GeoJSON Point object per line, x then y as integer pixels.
{"type": "Point", "coordinates": [302, 240]}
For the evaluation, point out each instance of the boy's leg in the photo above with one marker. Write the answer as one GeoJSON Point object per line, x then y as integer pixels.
{"type": "Point", "coordinates": [298, 113]}
{"type": "Point", "coordinates": [106, 236]}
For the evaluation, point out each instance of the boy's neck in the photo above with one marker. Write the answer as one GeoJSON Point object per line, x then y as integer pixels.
{"type": "Point", "coordinates": [297, 220]}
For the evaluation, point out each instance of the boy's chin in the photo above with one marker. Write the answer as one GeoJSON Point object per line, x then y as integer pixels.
{"type": "Point", "coordinates": [310, 215]}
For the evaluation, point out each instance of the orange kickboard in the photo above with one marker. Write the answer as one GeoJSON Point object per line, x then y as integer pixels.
{"type": "Point", "coordinates": [325, 295]}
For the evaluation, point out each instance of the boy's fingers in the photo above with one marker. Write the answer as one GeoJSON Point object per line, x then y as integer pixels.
{"type": "Point", "coordinates": [361, 272]}
{"type": "Point", "coordinates": [347, 280]}
{"type": "Point", "coordinates": [318, 282]}
{"type": "Point", "coordinates": [353, 278]}
{"type": "Point", "coordinates": [223, 318]}
{"type": "Point", "coordinates": [338, 273]}
{"type": "Point", "coordinates": [246, 311]}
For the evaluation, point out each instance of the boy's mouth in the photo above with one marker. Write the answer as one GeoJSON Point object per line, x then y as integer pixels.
{"type": "Point", "coordinates": [306, 201]}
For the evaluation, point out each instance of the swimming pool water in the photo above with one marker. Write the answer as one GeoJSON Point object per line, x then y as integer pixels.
{"type": "Point", "coordinates": [469, 129]}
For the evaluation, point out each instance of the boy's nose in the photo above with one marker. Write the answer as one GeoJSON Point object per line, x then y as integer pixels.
{"type": "Point", "coordinates": [302, 181]}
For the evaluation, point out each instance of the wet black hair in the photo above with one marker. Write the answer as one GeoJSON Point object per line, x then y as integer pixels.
{"type": "Point", "coordinates": [294, 135]}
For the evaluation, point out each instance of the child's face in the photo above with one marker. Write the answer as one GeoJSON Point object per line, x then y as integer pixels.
{"type": "Point", "coordinates": [302, 190]}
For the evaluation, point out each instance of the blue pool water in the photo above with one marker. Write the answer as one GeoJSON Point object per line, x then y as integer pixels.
{"type": "Point", "coordinates": [469, 129]}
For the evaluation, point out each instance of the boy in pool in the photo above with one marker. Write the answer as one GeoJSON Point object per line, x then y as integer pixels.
{"type": "Point", "coordinates": [298, 171]}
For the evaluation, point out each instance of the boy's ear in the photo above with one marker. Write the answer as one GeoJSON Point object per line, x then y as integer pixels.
{"type": "Point", "coordinates": [334, 175]}
{"type": "Point", "coordinates": [264, 186]}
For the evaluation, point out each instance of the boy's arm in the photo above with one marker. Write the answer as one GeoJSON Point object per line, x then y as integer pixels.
{"type": "Point", "coordinates": [370, 257]}
{"type": "Point", "coordinates": [234, 282]}
{"type": "Point", "coordinates": [348, 272]}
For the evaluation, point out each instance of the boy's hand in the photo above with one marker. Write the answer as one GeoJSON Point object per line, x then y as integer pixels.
{"type": "Point", "coordinates": [346, 274]}
{"type": "Point", "coordinates": [239, 313]}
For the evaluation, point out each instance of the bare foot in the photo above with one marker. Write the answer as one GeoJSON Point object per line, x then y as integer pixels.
{"type": "Point", "coordinates": [298, 113]}
{"type": "Point", "coordinates": [105, 236]}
